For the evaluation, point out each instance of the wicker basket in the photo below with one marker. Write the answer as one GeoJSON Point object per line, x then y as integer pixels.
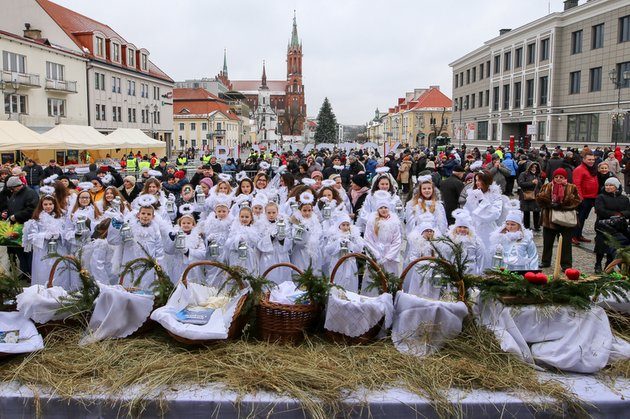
{"type": "Point", "coordinates": [285, 323]}
{"type": "Point", "coordinates": [461, 292]}
{"type": "Point", "coordinates": [46, 328]}
{"type": "Point", "coordinates": [238, 321]}
{"type": "Point", "coordinates": [371, 334]}
{"type": "Point", "coordinates": [148, 324]}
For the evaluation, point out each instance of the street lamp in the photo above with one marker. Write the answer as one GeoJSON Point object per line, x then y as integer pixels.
{"type": "Point", "coordinates": [618, 114]}
{"type": "Point", "coordinates": [15, 86]}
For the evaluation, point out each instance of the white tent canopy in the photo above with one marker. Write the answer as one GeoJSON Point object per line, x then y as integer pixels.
{"type": "Point", "coordinates": [80, 137]}
{"type": "Point", "coordinates": [134, 138]}
{"type": "Point", "coordinates": [15, 136]}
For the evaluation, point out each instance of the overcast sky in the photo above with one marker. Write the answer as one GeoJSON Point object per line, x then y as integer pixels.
{"type": "Point", "coordinates": [361, 54]}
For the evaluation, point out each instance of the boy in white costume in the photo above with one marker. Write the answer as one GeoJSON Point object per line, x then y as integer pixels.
{"type": "Point", "coordinates": [514, 243]}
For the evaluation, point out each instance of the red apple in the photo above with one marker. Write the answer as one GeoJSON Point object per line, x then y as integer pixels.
{"type": "Point", "coordinates": [541, 278]}
{"type": "Point", "coordinates": [531, 277]}
{"type": "Point", "coordinates": [572, 274]}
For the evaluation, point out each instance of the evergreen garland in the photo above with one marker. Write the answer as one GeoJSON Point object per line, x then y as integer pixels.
{"type": "Point", "coordinates": [78, 304]}
{"type": "Point", "coordinates": [378, 274]}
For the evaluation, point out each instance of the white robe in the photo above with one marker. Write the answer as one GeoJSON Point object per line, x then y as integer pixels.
{"type": "Point", "coordinates": [485, 210]}
{"type": "Point", "coordinates": [215, 230]}
{"type": "Point", "coordinates": [250, 235]}
{"type": "Point", "coordinates": [307, 251]}
{"type": "Point", "coordinates": [178, 260]}
{"type": "Point", "coordinates": [385, 246]}
{"type": "Point", "coordinates": [272, 251]}
{"type": "Point", "coordinates": [518, 249]}
{"type": "Point", "coordinates": [346, 276]}
{"type": "Point", "coordinates": [368, 208]}
{"type": "Point", "coordinates": [413, 213]}
{"type": "Point", "coordinates": [419, 280]}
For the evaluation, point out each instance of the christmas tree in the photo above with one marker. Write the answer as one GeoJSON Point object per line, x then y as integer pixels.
{"type": "Point", "coordinates": [326, 131]}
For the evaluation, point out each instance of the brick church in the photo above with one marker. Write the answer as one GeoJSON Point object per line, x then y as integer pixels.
{"type": "Point", "coordinates": [280, 102]}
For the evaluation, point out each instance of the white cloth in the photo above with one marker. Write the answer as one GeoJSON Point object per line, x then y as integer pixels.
{"type": "Point", "coordinates": [558, 336]}
{"type": "Point", "coordinates": [285, 293]}
{"type": "Point", "coordinates": [117, 313]}
{"type": "Point", "coordinates": [29, 339]}
{"type": "Point", "coordinates": [611, 303]}
{"type": "Point", "coordinates": [356, 315]}
{"type": "Point", "coordinates": [421, 326]}
{"type": "Point", "coordinates": [217, 327]}
{"type": "Point", "coordinates": [39, 303]}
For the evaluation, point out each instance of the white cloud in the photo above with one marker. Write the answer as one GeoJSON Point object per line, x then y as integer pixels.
{"type": "Point", "coordinates": [361, 54]}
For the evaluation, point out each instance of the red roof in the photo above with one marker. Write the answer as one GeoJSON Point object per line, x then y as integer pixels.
{"type": "Point", "coordinates": [433, 98]}
{"type": "Point", "coordinates": [74, 23]}
{"type": "Point", "coordinates": [42, 42]}
{"type": "Point", "coordinates": [199, 101]}
{"type": "Point", "coordinates": [196, 93]}
{"type": "Point", "coordinates": [251, 85]}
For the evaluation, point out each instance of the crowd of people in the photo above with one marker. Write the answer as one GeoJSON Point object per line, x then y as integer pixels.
{"type": "Point", "coordinates": [312, 209]}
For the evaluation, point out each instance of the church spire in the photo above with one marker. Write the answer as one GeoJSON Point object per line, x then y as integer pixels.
{"type": "Point", "coordinates": [295, 42]}
{"type": "Point", "coordinates": [225, 70]}
{"type": "Point", "coordinates": [264, 77]}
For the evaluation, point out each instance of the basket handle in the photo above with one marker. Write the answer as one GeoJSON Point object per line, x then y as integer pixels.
{"type": "Point", "coordinates": [281, 265]}
{"type": "Point", "coordinates": [411, 265]}
{"type": "Point", "coordinates": [613, 264]}
{"type": "Point", "coordinates": [207, 263]}
{"type": "Point", "coordinates": [51, 275]}
{"type": "Point", "coordinates": [369, 260]}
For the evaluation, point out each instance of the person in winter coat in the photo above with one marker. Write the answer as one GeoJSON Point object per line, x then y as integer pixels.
{"type": "Point", "coordinates": [613, 164]}
{"type": "Point", "coordinates": [603, 174]}
{"type": "Point", "coordinates": [450, 190]}
{"type": "Point", "coordinates": [515, 243]}
{"type": "Point", "coordinates": [511, 165]}
{"type": "Point", "coordinates": [52, 169]}
{"type": "Point", "coordinates": [404, 175]}
{"type": "Point", "coordinates": [498, 171]}
{"type": "Point", "coordinates": [359, 190]}
{"type": "Point", "coordinates": [612, 209]}
{"type": "Point", "coordinates": [34, 174]}
{"type": "Point", "coordinates": [530, 183]}
{"type": "Point", "coordinates": [585, 180]}
{"type": "Point", "coordinates": [557, 195]}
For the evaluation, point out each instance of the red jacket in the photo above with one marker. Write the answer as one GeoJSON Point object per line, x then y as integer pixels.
{"type": "Point", "coordinates": [586, 184]}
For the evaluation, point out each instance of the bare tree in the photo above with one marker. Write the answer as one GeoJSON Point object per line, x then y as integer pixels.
{"type": "Point", "coordinates": [293, 116]}
{"type": "Point", "coordinates": [436, 129]}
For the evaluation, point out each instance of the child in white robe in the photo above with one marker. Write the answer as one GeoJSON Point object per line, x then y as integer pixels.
{"type": "Point", "coordinates": [344, 238]}
{"type": "Point", "coordinates": [275, 245]}
{"type": "Point", "coordinates": [306, 234]}
{"type": "Point", "coordinates": [425, 201]}
{"type": "Point", "coordinates": [216, 230]}
{"type": "Point", "coordinates": [193, 249]}
{"type": "Point", "coordinates": [242, 242]}
{"type": "Point", "coordinates": [462, 232]}
{"type": "Point", "coordinates": [514, 243]}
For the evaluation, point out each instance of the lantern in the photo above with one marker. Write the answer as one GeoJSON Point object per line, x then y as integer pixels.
{"type": "Point", "coordinates": [81, 226]}
{"type": "Point", "coordinates": [170, 205]}
{"type": "Point", "coordinates": [51, 246]}
{"type": "Point", "coordinates": [497, 258]}
{"type": "Point", "coordinates": [344, 247]}
{"type": "Point", "coordinates": [326, 211]}
{"type": "Point", "coordinates": [399, 208]}
{"type": "Point", "coordinates": [200, 197]}
{"type": "Point", "coordinates": [213, 249]}
{"type": "Point", "coordinates": [180, 241]}
{"type": "Point", "coordinates": [298, 232]}
{"type": "Point", "coordinates": [116, 203]}
{"type": "Point", "coordinates": [242, 250]}
{"type": "Point", "coordinates": [244, 204]}
{"type": "Point", "coordinates": [275, 163]}
{"type": "Point", "coordinates": [125, 233]}
{"type": "Point", "coordinates": [282, 229]}
{"type": "Point", "coordinates": [294, 205]}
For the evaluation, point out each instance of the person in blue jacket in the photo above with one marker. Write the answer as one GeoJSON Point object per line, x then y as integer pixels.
{"type": "Point", "coordinates": [511, 165]}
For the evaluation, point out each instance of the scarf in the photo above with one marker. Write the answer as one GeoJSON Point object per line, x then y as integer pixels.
{"type": "Point", "coordinates": [355, 195]}
{"type": "Point", "coordinates": [557, 194]}
{"type": "Point", "coordinates": [592, 170]}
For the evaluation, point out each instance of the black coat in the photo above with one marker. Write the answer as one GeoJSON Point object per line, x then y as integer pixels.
{"type": "Point", "coordinates": [129, 197]}
{"type": "Point", "coordinates": [22, 204]}
{"type": "Point", "coordinates": [526, 183]}
{"type": "Point", "coordinates": [50, 170]}
{"type": "Point", "coordinates": [606, 206]}
{"type": "Point", "coordinates": [450, 189]}
{"type": "Point", "coordinates": [34, 174]}
{"type": "Point", "coordinates": [357, 207]}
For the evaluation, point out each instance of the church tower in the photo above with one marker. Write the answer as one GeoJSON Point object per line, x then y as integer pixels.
{"type": "Point", "coordinates": [294, 106]}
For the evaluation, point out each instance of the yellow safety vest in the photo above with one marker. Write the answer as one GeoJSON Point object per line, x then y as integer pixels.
{"type": "Point", "coordinates": [144, 165]}
{"type": "Point", "coordinates": [181, 161]}
{"type": "Point", "coordinates": [206, 159]}
{"type": "Point", "coordinates": [131, 164]}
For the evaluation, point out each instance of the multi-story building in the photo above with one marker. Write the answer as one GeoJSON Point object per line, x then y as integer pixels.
{"type": "Point", "coordinates": [416, 120]}
{"type": "Point", "coordinates": [124, 88]}
{"type": "Point", "coordinates": [42, 84]}
{"type": "Point", "coordinates": [561, 79]}
{"type": "Point", "coordinates": [204, 121]}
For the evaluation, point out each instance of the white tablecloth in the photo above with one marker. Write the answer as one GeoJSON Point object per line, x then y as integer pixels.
{"type": "Point", "coordinates": [358, 314]}
{"type": "Point", "coordinates": [29, 339]}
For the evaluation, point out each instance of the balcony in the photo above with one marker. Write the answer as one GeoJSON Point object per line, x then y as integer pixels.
{"type": "Point", "coordinates": [63, 86]}
{"type": "Point", "coordinates": [218, 133]}
{"type": "Point", "coordinates": [19, 80]}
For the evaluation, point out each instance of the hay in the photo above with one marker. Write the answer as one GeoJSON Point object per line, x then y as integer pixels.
{"type": "Point", "coordinates": [318, 374]}
{"type": "Point", "coordinates": [620, 325]}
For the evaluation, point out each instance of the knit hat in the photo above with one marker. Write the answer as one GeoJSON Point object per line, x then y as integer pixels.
{"type": "Point", "coordinates": [613, 181]}
{"type": "Point", "coordinates": [382, 199]}
{"type": "Point", "coordinates": [13, 181]}
{"type": "Point", "coordinates": [180, 174]}
{"type": "Point", "coordinates": [360, 180]}
{"type": "Point", "coordinates": [462, 218]}
{"type": "Point", "coordinates": [514, 213]}
{"type": "Point", "coordinates": [469, 176]}
{"type": "Point", "coordinates": [130, 179]}
{"type": "Point", "coordinates": [560, 172]}
{"type": "Point", "coordinates": [426, 222]}
{"type": "Point", "coordinates": [207, 181]}
{"type": "Point", "coordinates": [430, 164]}
{"type": "Point", "coordinates": [103, 169]}
{"type": "Point", "coordinates": [316, 173]}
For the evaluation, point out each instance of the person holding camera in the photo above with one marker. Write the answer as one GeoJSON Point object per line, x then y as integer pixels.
{"type": "Point", "coordinates": [612, 208]}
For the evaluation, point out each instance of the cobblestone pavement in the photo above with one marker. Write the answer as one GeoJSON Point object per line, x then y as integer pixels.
{"type": "Point", "coordinates": [583, 255]}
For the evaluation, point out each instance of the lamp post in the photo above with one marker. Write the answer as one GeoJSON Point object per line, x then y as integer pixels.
{"type": "Point", "coordinates": [15, 86]}
{"type": "Point", "coordinates": [618, 114]}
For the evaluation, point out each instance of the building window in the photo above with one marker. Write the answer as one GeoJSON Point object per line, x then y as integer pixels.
{"type": "Point", "coordinates": [193, 126]}
{"type": "Point", "coordinates": [544, 49]}
{"type": "Point", "coordinates": [461, 78]}
{"type": "Point", "coordinates": [494, 132]}
{"type": "Point", "coordinates": [181, 126]}
{"type": "Point", "coordinates": [595, 79]}
{"type": "Point", "coordinates": [542, 131]}
{"type": "Point", "coordinates": [131, 88]}
{"type": "Point", "coordinates": [529, 93]}
{"type": "Point", "coordinates": [507, 61]}
{"type": "Point", "coordinates": [467, 77]}
{"type": "Point", "coordinates": [145, 62]}
{"type": "Point", "coordinates": [456, 81]}
{"type": "Point", "coordinates": [624, 29]}
{"type": "Point", "coordinates": [482, 130]}
{"type": "Point", "coordinates": [518, 58]}
{"type": "Point", "coordinates": [474, 74]}
{"type": "Point", "coordinates": [497, 64]}
{"type": "Point", "coordinates": [544, 90]}
{"type": "Point", "coordinates": [204, 126]}
{"type": "Point", "coordinates": [481, 99]}
{"type": "Point", "coordinates": [54, 71]}
{"type": "Point", "coordinates": [506, 96]}
{"type": "Point", "coordinates": [115, 52]}
{"type": "Point", "coordinates": [487, 68]}
{"type": "Point", "coordinates": [131, 58]}
{"type": "Point", "coordinates": [114, 114]}
{"type": "Point", "coordinates": [466, 103]}
{"type": "Point", "coordinates": [495, 98]}
{"type": "Point", "coordinates": [517, 95]}
{"type": "Point", "coordinates": [472, 101]}
{"type": "Point", "coordinates": [487, 98]}
{"type": "Point", "coordinates": [99, 81]}
{"type": "Point", "coordinates": [156, 93]}
{"type": "Point", "coordinates": [623, 68]}
{"type": "Point", "coordinates": [574, 82]}
{"type": "Point", "coordinates": [100, 113]}
{"type": "Point", "coordinates": [583, 128]}
{"type": "Point", "coordinates": [15, 63]}
{"type": "Point", "coordinates": [531, 53]}
{"type": "Point", "coordinates": [15, 104]}
{"type": "Point", "coordinates": [597, 36]}
{"type": "Point", "coordinates": [481, 72]}
{"type": "Point", "coordinates": [576, 42]}
{"type": "Point", "coordinates": [100, 46]}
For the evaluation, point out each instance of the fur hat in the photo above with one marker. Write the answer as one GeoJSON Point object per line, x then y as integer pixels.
{"type": "Point", "coordinates": [462, 218]}
{"type": "Point", "coordinates": [382, 199]}
{"type": "Point", "coordinates": [514, 213]}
